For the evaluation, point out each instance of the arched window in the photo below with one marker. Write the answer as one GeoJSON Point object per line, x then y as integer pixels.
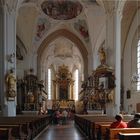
{"type": "Point", "coordinates": [138, 65]}
{"type": "Point", "coordinates": [76, 85]}
{"type": "Point", "coordinates": [49, 84]}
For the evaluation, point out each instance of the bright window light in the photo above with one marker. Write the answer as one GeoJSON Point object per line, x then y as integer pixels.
{"type": "Point", "coordinates": [76, 84]}
{"type": "Point", "coordinates": [49, 84]}
{"type": "Point", "coordinates": [138, 65]}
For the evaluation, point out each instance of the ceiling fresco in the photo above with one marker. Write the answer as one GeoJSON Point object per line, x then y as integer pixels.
{"type": "Point", "coordinates": [82, 28]}
{"type": "Point", "coordinates": [43, 25]}
{"type": "Point", "coordinates": [61, 9]}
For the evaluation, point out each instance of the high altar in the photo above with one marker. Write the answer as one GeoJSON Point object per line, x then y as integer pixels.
{"type": "Point", "coordinates": [63, 87]}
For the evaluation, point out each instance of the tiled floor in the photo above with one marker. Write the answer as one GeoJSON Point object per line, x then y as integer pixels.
{"type": "Point", "coordinates": [62, 132]}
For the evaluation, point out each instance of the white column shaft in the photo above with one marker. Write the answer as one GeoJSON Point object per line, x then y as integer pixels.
{"type": "Point", "coordinates": [113, 43]}
{"type": "Point", "coordinates": [7, 48]}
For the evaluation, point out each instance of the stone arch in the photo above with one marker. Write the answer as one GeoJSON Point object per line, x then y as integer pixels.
{"type": "Point", "coordinates": [67, 34]}
{"type": "Point", "coordinates": [128, 12]}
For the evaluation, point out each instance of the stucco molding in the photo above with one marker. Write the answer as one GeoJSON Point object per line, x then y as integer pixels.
{"type": "Point", "coordinates": [67, 34]}
{"type": "Point", "coordinates": [9, 6]}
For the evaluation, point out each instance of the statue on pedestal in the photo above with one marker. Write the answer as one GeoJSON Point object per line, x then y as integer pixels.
{"type": "Point", "coordinates": [102, 56]}
{"type": "Point", "coordinates": [11, 84]}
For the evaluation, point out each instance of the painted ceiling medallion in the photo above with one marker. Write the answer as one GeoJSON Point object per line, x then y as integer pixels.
{"type": "Point", "coordinates": [61, 9]}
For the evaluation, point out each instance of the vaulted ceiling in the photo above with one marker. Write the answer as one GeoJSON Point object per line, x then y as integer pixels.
{"type": "Point", "coordinates": [40, 20]}
{"type": "Point", "coordinates": [34, 24]}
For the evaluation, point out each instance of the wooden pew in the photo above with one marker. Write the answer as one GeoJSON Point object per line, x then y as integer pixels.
{"type": "Point", "coordinates": [114, 133]}
{"type": "Point", "coordinates": [25, 127]}
{"type": "Point", "coordinates": [88, 124]}
{"type": "Point", "coordinates": [94, 125]}
{"type": "Point", "coordinates": [16, 130]}
{"type": "Point", "coordinates": [100, 131]}
{"type": "Point", "coordinates": [129, 136]}
{"type": "Point", "coordinates": [19, 128]}
{"type": "Point", "coordinates": [5, 134]}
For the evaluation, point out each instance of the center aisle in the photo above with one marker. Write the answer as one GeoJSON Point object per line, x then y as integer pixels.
{"type": "Point", "coordinates": [62, 132]}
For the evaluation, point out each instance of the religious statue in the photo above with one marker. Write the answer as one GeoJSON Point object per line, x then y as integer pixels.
{"type": "Point", "coordinates": [11, 84]}
{"type": "Point", "coordinates": [102, 56]}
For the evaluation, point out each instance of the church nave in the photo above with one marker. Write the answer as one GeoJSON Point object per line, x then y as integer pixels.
{"type": "Point", "coordinates": [61, 132]}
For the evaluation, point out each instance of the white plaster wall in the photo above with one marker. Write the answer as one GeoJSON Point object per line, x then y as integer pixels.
{"type": "Point", "coordinates": [25, 25]}
{"type": "Point", "coordinates": [129, 66]}
{"type": "Point", "coordinates": [20, 69]}
{"type": "Point", "coordinates": [96, 21]}
{"type": "Point", "coordinates": [24, 30]}
{"type": "Point", "coordinates": [29, 61]}
{"type": "Point", "coordinates": [98, 43]}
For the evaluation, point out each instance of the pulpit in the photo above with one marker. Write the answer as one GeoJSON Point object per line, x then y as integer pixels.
{"type": "Point", "coordinates": [104, 86]}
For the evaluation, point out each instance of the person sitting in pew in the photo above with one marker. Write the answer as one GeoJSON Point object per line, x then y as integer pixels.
{"type": "Point", "coordinates": [119, 123]}
{"type": "Point", "coordinates": [135, 123]}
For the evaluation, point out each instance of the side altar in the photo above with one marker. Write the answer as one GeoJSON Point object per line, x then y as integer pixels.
{"type": "Point", "coordinates": [30, 93]}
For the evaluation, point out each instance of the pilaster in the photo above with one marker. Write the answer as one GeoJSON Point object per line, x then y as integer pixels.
{"type": "Point", "coordinates": [7, 54]}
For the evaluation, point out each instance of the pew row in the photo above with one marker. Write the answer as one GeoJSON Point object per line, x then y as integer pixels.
{"type": "Point", "coordinates": [89, 124]}
{"type": "Point", "coordinates": [24, 127]}
{"type": "Point", "coordinates": [114, 134]}
{"type": "Point", "coordinates": [101, 128]}
{"type": "Point", "coordinates": [129, 136]}
{"type": "Point", "coordinates": [94, 126]}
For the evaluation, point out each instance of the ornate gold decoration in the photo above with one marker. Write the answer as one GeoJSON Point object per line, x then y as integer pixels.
{"type": "Point", "coordinates": [11, 84]}
{"type": "Point", "coordinates": [102, 56]}
{"type": "Point", "coordinates": [63, 72]}
{"type": "Point", "coordinates": [64, 82]}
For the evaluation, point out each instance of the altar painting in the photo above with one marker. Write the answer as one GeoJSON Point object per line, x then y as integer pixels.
{"type": "Point", "coordinates": [63, 90]}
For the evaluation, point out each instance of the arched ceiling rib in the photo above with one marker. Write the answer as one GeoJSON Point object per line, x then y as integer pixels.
{"type": "Point", "coordinates": [129, 11]}
{"type": "Point", "coordinates": [67, 34]}
{"type": "Point", "coordinates": [70, 36]}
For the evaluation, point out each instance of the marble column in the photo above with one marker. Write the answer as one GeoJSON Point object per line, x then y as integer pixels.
{"type": "Point", "coordinates": [7, 53]}
{"type": "Point", "coordinates": [113, 44]}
